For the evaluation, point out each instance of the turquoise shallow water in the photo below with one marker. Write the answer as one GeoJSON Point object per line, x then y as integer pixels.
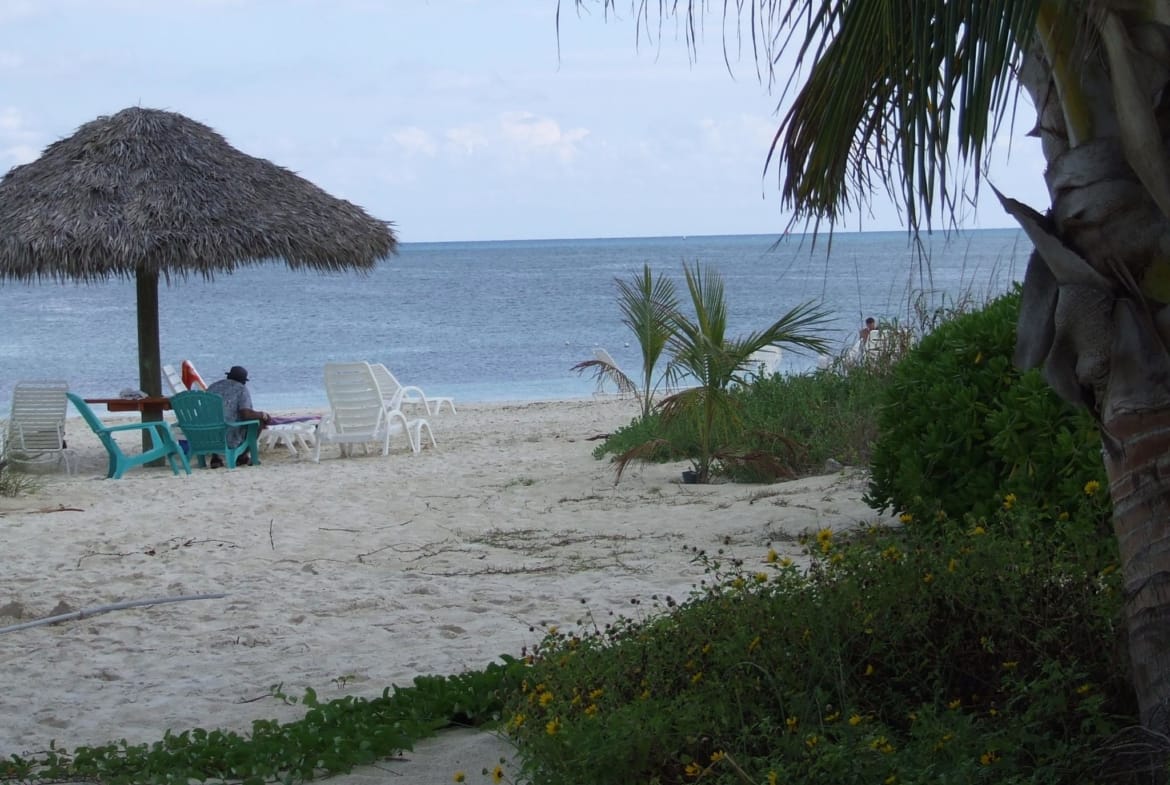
{"type": "Point", "coordinates": [480, 321]}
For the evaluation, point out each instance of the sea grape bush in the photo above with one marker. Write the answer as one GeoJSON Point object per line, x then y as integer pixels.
{"type": "Point", "coordinates": [963, 434]}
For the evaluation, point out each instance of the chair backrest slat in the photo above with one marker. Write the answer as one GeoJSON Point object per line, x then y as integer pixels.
{"type": "Point", "coordinates": [37, 421]}
{"type": "Point", "coordinates": [355, 398]}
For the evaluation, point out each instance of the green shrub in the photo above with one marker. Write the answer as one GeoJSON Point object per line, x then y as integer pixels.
{"type": "Point", "coordinates": [962, 433]}
{"type": "Point", "coordinates": [802, 420]}
{"type": "Point", "coordinates": [886, 662]}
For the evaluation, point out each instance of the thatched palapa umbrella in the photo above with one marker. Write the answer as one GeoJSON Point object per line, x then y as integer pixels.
{"type": "Point", "coordinates": [146, 194]}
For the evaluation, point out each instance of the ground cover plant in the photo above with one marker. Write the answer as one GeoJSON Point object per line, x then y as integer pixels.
{"type": "Point", "coordinates": [333, 737]}
{"type": "Point", "coordinates": [894, 659]}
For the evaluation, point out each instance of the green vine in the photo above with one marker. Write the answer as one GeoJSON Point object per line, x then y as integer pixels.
{"type": "Point", "coordinates": [332, 738]}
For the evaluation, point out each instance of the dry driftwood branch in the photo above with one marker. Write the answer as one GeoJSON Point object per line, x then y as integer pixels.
{"type": "Point", "coordinates": [117, 606]}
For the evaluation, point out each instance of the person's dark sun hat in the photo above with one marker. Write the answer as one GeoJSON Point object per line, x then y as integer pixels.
{"type": "Point", "coordinates": [238, 373]}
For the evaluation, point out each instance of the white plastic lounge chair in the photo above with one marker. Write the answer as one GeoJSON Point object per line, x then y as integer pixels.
{"type": "Point", "coordinates": [173, 379]}
{"type": "Point", "coordinates": [397, 395]}
{"type": "Point", "coordinates": [358, 415]}
{"type": "Point", "coordinates": [36, 427]}
{"type": "Point", "coordinates": [881, 348]}
{"type": "Point", "coordinates": [763, 363]}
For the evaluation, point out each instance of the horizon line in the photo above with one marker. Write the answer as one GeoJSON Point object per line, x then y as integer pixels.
{"type": "Point", "coordinates": [777, 235]}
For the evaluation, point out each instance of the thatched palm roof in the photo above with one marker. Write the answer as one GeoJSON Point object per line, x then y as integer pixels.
{"type": "Point", "coordinates": [156, 191]}
{"type": "Point", "coordinates": [149, 194]}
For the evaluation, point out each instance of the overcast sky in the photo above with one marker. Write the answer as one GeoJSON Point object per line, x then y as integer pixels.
{"type": "Point", "coordinates": [455, 119]}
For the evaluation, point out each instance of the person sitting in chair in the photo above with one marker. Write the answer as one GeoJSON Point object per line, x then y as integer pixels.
{"type": "Point", "coordinates": [237, 405]}
{"type": "Point", "coordinates": [870, 326]}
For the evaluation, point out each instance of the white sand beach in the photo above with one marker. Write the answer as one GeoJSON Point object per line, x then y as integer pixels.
{"type": "Point", "coordinates": [351, 574]}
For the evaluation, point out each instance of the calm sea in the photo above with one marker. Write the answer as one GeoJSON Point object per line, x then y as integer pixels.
{"type": "Point", "coordinates": [481, 321]}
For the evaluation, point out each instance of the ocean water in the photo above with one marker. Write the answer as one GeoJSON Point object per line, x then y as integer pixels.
{"type": "Point", "coordinates": [480, 321]}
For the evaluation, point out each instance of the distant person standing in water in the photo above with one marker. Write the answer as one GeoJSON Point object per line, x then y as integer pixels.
{"type": "Point", "coordinates": [237, 406]}
{"type": "Point", "coordinates": [870, 326]}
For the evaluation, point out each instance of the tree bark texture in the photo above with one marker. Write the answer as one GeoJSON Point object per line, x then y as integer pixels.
{"type": "Point", "coordinates": [1094, 313]}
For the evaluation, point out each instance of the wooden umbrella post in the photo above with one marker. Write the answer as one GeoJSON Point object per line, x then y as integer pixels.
{"type": "Point", "coordinates": [149, 352]}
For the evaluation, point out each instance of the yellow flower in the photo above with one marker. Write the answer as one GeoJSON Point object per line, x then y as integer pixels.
{"type": "Point", "coordinates": [786, 562]}
{"type": "Point", "coordinates": [497, 774]}
{"type": "Point", "coordinates": [761, 577]}
{"type": "Point", "coordinates": [892, 554]}
{"type": "Point", "coordinates": [812, 741]}
{"type": "Point", "coordinates": [773, 778]}
{"type": "Point", "coordinates": [792, 723]}
{"type": "Point", "coordinates": [956, 703]}
{"type": "Point", "coordinates": [1011, 665]}
{"type": "Point", "coordinates": [459, 776]}
{"type": "Point", "coordinates": [717, 756]}
{"type": "Point", "coordinates": [772, 557]}
{"type": "Point", "coordinates": [518, 720]}
{"type": "Point", "coordinates": [869, 669]}
{"type": "Point", "coordinates": [645, 695]}
{"type": "Point", "coordinates": [546, 698]}
{"type": "Point", "coordinates": [738, 583]}
{"type": "Point", "coordinates": [952, 565]}
{"type": "Point", "coordinates": [553, 630]}
{"type": "Point", "coordinates": [833, 717]}
{"type": "Point", "coordinates": [597, 693]}
{"type": "Point", "coordinates": [1062, 517]}
{"type": "Point", "coordinates": [1084, 689]}
{"type": "Point", "coordinates": [698, 677]}
{"type": "Point", "coordinates": [855, 719]}
{"type": "Point", "coordinates": [552, 727]}
{"type": "Point", "coordinates": [591, 709]}
{"type": "Point", "coordinates": [825, 540]}
{"type": "Point", "coordinates": [1091, 487]}
{"type": "Point", "coordinates": [927, 578]}
{"type": "Point", "coordinates": [988, 758]}
{"type": "Point", "coordinates": [906, 518]}
{"type": "Point", "coordinates": [706, 648]}
{"type": "Point", "coordinates": [1009, 501]}
{"type": "Point", "coordinates": [694, 769]}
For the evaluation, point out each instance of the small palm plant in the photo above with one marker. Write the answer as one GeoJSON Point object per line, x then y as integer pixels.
{"type": "Point", "coordinates": [702, 354]}
{"type": "Point", "coordinates": [648, 305]}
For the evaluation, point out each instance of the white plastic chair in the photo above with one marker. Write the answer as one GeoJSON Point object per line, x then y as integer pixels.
{"type": "Point", "coordinates": [358, 415]}
{"type": "Point", "coordinates": [763, 363]}
{"type": "Point", "coordinates": [397, 395]}
{"type": "Point", "coordinates": [36, 426]}
{"type": "Point", "coordinates": [174, 379]}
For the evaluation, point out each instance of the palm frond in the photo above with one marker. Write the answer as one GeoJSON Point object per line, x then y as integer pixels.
{"type": "Point", "coordinates": [890, 87]}
{"type": "Point", "coordinates": [602, 371]}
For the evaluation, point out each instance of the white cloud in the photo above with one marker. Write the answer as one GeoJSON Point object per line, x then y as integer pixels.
{"type": "Point", "coordinates": [414, 140]}
{"type": "Point", "coordinates": [466, 139]}
{"type": "Point", "coordinates": [541, 134]}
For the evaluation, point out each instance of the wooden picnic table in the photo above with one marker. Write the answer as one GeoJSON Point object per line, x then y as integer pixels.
{"type": "Point", "coordinates": [149, 404]}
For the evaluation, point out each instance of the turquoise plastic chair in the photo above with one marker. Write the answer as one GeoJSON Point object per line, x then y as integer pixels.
{"type": "Point", "coordinates": [200, 416]}
{"type": "Point", "coordinates": [163, 442]}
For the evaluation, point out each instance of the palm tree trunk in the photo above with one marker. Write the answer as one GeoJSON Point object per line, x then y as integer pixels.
{"type": "Point", "coordinates": [1094, 317]}
{"type": "Point", "coordinates": [1139, 479]}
